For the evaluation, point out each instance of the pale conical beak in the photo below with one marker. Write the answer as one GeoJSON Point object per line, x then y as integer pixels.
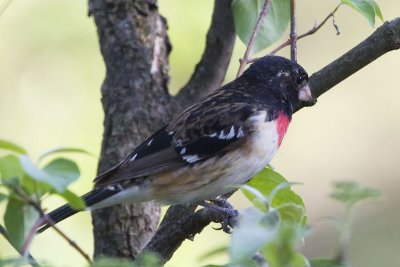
{"type": "Point", "coordinates": [305, 94]}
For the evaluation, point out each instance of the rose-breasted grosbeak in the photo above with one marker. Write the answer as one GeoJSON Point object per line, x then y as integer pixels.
{"type": "Point", "coordinates": [222, 140]}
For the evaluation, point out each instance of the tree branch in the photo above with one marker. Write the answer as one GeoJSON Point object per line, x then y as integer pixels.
{"type": "Point", "coordinates": [310, 32]}
{"type": "Point", "coordinates": [31, 260]}
{"type": "Point", "coordinates": [210, 71]}
{"type": "Point", "coordinates": [182, 223]}
{"type": "Point", "coordinates": [173, 231]}
{"type": "Point", "coordinates": [386, 38]}
{"type": "Point", "coordinates": [250, 44]}
{"type": "Point", "coordinates": [293, 31]}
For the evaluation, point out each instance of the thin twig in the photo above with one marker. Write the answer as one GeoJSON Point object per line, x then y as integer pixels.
{"type": "Point", "coordinates": [250, 44]}
{"type": "Point", "coordinates": [5, 6]}
{"type": "Point", "coordinates": [310, 32]}
{"type": "Point", "coordinates": [45, 218]}
{"type": "Point", "coordinates": [30, 259]}
{"type": "Point", "coordinates": [293, 31]}
{"type": "Point", "coordinates": [28, 240]}
{"type": "Point", "coordinates": [3, 232]}
{"type": "Point", "coordinates": [70, 241]}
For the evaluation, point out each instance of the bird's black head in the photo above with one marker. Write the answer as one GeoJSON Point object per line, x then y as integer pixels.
{"type": "Point", "coordinates": [280, 76]}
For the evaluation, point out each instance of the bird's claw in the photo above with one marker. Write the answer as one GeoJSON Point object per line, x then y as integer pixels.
{"type": "Point", "coordinates": [223, 206]}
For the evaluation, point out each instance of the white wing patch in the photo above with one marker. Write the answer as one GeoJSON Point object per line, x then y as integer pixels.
{"type": "Point", "coordinates": [231, 133]}
{"type": "Point", "coordinates": [134, 157]}
{"type": "Point", "coordinates": [221, 135]}
{"type": "Point", "coordinates": [240, 133]}
{"type": "Point", "coordinates": [183, 151]}
{"type": "Point", "coordinates": [149, 143]}
{"type": "Point", "coordinates": [191, 158]}
{"type": "Point", "coordinates": [227, 136]}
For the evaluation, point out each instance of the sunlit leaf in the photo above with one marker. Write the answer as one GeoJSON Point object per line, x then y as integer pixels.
{"type": "Point", "coordinates": [10, 167]}
{"type": "Point", "coordinates": [292, 213]}
{"type": "Point", "coordinates": [6, 145]}
{"type": "Point", "coordinates": [111, 262]}
{"type": "Point", "coordinates": [256, 197]}
{"type": "Point", "coordinates": [19, 219]}
{"type": "Point", "coordinates": [351, 193]}
{"type": "Point", "coordinates": [74, 200]}
{"type": "Point", "coordinates": [3, 196]}
{"type": "Point", "coordinates": [14, 262]}
{"type": "Point", "coordinates": [368, 8]}
{"type": "Point", "coordinates": [59, 173]}
{"type": "Point", "coordinates": [253, 231]}
{"type": "Point", "coordinates": [276, 188]}
{"type": "Point", "coordinates": [64, 150]}
{"type": "Point", "coordinates": [282, 250]}
{"type": "Point", "coordinates": [147, 259]}
{"type": "Point", "coordinates": [378, 11]}
{"type": "Point", "coordinates": [64, 170]}
{"type": "Point", "coordinates": [246, 13]}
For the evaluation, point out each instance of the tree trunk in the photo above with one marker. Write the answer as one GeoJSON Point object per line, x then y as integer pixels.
{"type": "Point", "coordinates": [135, 48]}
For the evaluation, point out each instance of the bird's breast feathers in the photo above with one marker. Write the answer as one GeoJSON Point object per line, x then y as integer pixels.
{"type": "Point", "coordinates": [215, 176]}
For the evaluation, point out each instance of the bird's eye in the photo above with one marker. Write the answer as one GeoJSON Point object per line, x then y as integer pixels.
{"type": "Point", "coordinates": [301, 79]}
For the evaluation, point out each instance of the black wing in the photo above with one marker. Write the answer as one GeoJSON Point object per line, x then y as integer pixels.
{"type": "Point", "coordinates": [154, 155]}
{"type": "Point", "coordinates": [211, 127]}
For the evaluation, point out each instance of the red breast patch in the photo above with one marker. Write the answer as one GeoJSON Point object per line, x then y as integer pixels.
{"type": "Point", "coordinates": [282, 124]}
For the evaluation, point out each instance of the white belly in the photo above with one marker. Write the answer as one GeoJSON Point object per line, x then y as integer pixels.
{"type": "Point", "coordinates": [217, 176]}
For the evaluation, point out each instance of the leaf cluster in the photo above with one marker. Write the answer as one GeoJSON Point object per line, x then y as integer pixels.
{"type": "Point", "coordinates": [273, 229]}
{"type": "Point", "coordinates": [275, 23]}
{"type": "Point", "coordinates": [24, 184]}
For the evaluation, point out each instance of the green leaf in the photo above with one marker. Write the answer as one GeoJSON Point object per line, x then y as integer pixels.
{"type": "Point", "coordinates": [59, 173]}
{"type": "Point", "coordinates": [112, 262]}
{"type": "Point", "coordinates": [253, 231]}
{"type": "Point", "coordinates": [282, 250]}
{"type": "Point", "coordinates": [368, 8]}
{"type": "Point", "coordinates": [3, 196]}
{"type": "Point", "coordinates": [246, 13]}
{"type": "Point", "coordinates": [351, 193]}
{"type": "Point", "coordinates": [15, 262]}
{"type": "Point", "coordinates": [256, 197]}
{"type": "Point", "coordinates": [10, 167]}
{"type": "Point", "coordinates": [65, 170]}
{"type": "Point", "coordinates": [378, 11]}
{"type": "Point", "coordinates": [276, 188]}
{"type": "Point", "coordinates": [74, 200]}
{"type": "Point", "coordinates": [19, 219]}
{"type": "Point", "coordinates": [64, 150]}
{"type": "Point", "coordinates": [292, 213]}
{"type": "Point", "coordinates": [148, 259]}
{"type": "Point", "coordinates": [6, 145]}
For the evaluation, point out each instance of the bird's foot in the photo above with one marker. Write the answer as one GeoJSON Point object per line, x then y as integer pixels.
{"type": "Point", "coordinates": [222, 205]}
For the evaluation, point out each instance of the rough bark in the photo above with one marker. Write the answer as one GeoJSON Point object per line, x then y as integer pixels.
{"type": "Point", "coordinates": [135, 47]}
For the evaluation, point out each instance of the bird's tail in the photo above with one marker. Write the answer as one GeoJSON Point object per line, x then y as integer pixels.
{"type": "Point", "coordinates": [65, 211]}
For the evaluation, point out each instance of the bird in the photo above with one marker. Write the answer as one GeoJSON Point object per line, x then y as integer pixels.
{"type": "Point", "coordinates": [220, 141]}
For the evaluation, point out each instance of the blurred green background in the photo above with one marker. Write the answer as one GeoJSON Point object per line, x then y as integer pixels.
{"type": "Point", "coordinates": [51, 71]}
